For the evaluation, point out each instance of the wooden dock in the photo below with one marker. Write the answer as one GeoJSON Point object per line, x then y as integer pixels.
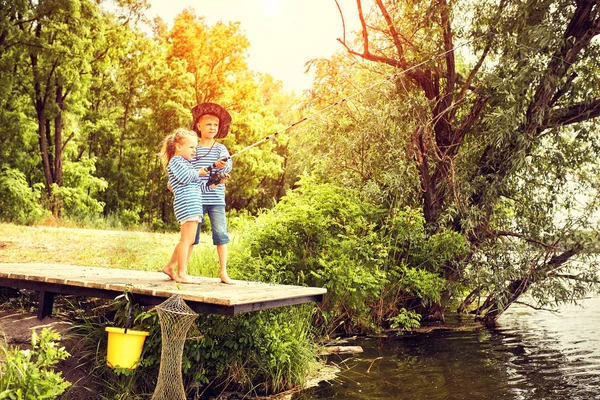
{"type": "Point", "coordinates": [206, 295]}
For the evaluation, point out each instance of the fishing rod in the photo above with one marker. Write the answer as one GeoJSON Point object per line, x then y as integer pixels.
{"type": "Point", "coordinates": [215, 177]}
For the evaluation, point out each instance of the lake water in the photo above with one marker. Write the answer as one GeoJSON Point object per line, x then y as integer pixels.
{"type": "Point", "coordinates": [530, 355]}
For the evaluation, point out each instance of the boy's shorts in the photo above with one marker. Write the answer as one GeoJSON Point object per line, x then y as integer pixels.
{"type": "Point", "coordinates": [218, 224]}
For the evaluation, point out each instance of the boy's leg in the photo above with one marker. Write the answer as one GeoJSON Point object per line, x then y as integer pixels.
{"type": "Point", "coordinates": [220, 236]}
{"type": "Point", "coordinates": [188, 232]}
{"type": "Point", "coordinates": [222, 252]}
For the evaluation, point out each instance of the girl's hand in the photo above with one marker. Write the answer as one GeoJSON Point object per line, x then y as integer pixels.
{"type": "Point", "coordinates": [202, 171]}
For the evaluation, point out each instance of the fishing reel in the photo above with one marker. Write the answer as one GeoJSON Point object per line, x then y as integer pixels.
{"type": "Point", "coordinates": [216, 177]}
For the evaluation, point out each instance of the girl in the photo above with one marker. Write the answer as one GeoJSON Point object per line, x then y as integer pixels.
{"type": "Point", "coordinates": [178, 149]}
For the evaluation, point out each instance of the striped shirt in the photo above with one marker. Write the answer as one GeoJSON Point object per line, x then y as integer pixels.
{"type": "Point", "coordinates": [187, 186]}
{"type": "Point", "coordinates": [205, 157]}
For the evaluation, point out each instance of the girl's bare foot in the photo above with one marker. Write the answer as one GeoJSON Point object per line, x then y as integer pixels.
{"type": "Point", "coordinates": [183, 279]}
{"type": "Point", "coordinates": [169, 272]}
{"type": "Point", "coordinates": [225, 278]}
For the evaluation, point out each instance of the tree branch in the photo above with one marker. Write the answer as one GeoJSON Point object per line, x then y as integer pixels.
{"type": "Point", "coordinates": [534, 307]}
{"type": "Point", "coordinates": [575, 278]}
{"type": "Point", "coordinates": [343, 22]}
{"type": "Point", "coordinates": [393, 33]}
{"type": "Point", "coordinates": [524, 237]}
{"type": "Point", "coordinates": [573, 114]}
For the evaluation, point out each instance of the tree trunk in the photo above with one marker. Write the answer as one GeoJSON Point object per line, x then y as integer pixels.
{"type": "Point", "coordinates": [493, 307]}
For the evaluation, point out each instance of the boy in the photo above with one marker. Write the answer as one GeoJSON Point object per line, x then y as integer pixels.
{"type": "Point", "coordinates": [210, 121]}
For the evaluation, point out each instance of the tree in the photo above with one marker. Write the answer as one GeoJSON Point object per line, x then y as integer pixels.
{"type": "Point", "coordinates": [484, 127]}
{"type": "Point", "coordinates": [215, 55]}
{"type": "Point", "coordinates": [56, 42]}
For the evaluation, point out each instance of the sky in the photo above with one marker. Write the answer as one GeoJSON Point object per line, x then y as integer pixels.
{"type": "Point", "coordinates": [283, 34]}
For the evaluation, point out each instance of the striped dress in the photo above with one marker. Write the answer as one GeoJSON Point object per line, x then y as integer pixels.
{"type": "Point", "coordinates": [205, 157]}
{"type": "Point", "coordinates": [187, 187]}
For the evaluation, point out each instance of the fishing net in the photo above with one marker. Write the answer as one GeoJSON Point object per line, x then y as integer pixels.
{"type": "Point", "coordinates": [175, 318]}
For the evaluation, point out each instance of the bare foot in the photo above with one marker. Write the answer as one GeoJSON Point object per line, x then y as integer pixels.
{"type": "Point", "coordinates": [225, 278]}
{"type": "Point", "coordinates": [169, 272]}
{"type": "Point", "coordinates": [183, 279]}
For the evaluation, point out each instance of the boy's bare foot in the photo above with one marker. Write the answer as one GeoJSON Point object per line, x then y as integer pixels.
{"type": "Point", "coordinates": [183, 279]}
{"type": "Point", "coordinates": [225, 278]}
{"type": "Point", "coordinates": [169, 272]}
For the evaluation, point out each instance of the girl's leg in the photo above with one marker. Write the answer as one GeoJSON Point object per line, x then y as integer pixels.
{"type": "Point", "coordinates": [196, 240]}
{"type": "Point", "coordinates": [188, 233]}
{"type": "Point", "coordinates": [169, 269]}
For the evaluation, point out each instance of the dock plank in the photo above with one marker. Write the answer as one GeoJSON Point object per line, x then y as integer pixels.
{"type": "Point", "coordinates": [205, 294]}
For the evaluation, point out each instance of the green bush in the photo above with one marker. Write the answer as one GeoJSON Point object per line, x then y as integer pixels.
{"type": "Point", "coordinates": [319, 235]}
{"type": "Point", "coordinates": [262, 352]}
{"type": "Point", "coordinates": [80, 189]}
{"type": "Point", "coordinates": [29, 374]}
{"type": "Point", "coordinates": [373, 262]}
{"type": "Point", "coordinates": [19, 202]}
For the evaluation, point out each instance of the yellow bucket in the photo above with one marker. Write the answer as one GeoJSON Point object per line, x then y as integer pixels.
{"type": "Point", "coordinates": [124, 349]}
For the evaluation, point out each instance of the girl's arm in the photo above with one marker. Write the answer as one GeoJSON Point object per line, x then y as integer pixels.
{"type": "Point", "coordinates": [185, 173]}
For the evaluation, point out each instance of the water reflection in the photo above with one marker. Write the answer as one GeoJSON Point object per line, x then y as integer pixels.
{"type": "Point", "coordinates": [530, 355]}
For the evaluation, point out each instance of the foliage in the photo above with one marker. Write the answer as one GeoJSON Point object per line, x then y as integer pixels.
{"type": "Point", "coordinates": [372, 264]}
{"type": "Point", "coordinates": [29, 374]}
{"type": "Point", "coordinates": [405, 320]}
{"type": "Point", "coordinates": [78, 196]}
{"type": "Point", "coordinates": [263, 352]}
{"type": "Point", "coordinates": [488, 118]}
{"type": "Point", "coordinates": [18, 201]}
{"type": "Point", "coordinates": [260, 352]}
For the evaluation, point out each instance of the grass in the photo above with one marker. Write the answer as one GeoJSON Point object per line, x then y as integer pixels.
{"type": "Point", "coordinates": [144, 251]}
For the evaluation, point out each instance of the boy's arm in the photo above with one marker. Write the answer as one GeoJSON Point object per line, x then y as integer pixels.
{"type": "Point", "coordinates": [224, 154]}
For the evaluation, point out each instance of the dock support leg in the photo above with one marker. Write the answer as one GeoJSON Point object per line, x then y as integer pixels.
{"type": "Point", "coordinates": [45, 304]}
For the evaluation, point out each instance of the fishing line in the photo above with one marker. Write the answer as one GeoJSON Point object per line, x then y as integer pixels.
{"type": "Point", "coordinates": [341, 101]}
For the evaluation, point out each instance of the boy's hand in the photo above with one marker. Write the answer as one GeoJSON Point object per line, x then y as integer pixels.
{"type": "Point", "coordinates": [217, 179]}
{"type": "Point", "coordinates": [202, 171]}
{"type": "Point", "coordinates": [220, 163]}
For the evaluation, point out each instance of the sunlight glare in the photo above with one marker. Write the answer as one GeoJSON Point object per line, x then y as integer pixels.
{"type": "Point", "coordinates": [271, 8]}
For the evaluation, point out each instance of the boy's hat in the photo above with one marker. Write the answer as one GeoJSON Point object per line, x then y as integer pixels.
{"type": "Point", "coordinates": [212, 109]}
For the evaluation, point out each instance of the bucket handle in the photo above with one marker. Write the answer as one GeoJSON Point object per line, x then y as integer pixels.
{"type": "Point", "coordinates": [129, 309]}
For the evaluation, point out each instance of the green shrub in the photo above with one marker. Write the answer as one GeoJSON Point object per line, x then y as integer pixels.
{"type": "Point", "coordinates": [80, 189]}
{"type": "Point", "coordinates": [19, 202]}
{"type": "Point", "coordinates": [373, 262]}
{"type": "Point", "coordinates": [29, 374]}
{"type": "Point", "coordinates": [262, 352]}
{"type": "Point", "coordinates": [319, 235]}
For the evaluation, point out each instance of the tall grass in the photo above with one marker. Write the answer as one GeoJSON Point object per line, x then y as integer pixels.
{"type": "Point", "coordinates": [146, 251]}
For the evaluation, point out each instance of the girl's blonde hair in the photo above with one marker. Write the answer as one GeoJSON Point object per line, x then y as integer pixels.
{"type": "Point", "coordinates": [170, 142]}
